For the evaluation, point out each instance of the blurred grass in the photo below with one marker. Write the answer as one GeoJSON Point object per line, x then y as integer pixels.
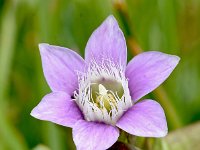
{"type": "Point", "coordinates": [171, 26]}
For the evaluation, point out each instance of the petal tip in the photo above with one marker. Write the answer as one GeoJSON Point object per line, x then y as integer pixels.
{"type": "Point", "coordinates": [163, 133]}
{"type": "Point", "coordinates": [43, 47]}
{"type": "Point", "coordinates": [111, 17]}
{"type": "Point", "coordinates": [111, 20]}
{"type": "Point", "coordinates": [174, 60]}
{"type": "Point", "coordinates": [177, 59]}
{"type": "Point", "coordinates": [34, 113]}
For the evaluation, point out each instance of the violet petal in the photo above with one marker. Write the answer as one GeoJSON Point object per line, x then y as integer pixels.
{"type": "Point", "coordinates": [94, 136]}
{"type": "Point", "coordinates": [145, 118]}
{"type": "Point", "coordinates": [58, 107]}
{"type": "Point", "coordinates": [107, 42]}
{"type": "Point", "coordinates": [147, 71]}
{"type": "Point", "coordinates": [60, 66]}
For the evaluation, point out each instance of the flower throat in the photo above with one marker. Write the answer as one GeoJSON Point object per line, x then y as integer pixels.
{"type": "Point", "coordinates": [103, 93]}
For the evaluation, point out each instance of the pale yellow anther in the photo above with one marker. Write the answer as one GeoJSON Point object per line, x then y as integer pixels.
{"type": "Point", "coordinates": [105, 98]}
{"type": "Point", "coordinates": [102, 90]}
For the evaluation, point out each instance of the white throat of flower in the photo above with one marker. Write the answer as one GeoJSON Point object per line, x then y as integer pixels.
{"type": "Point", "coordinates": [103, 93]}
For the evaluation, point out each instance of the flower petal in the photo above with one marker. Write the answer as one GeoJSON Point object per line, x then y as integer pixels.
{"type": "Point", "coordinates": [107, 42]}
{"type": "Point", "coordinates": [60, 65]}
{"type": "Point", "coordinates": [145, 118]}
{"type": "Point", "coordinates": [147, 71]}
{"type": "Point", "coordinates": [94, 136]}
{"type": "Point", "coordinates": [59, 108]}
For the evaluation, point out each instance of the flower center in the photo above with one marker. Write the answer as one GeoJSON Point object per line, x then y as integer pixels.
{"type": "Point", "coordinates": [103, 93]}
{"type": "Point", "coordinates": [106, 94]}
{"type": "Point", "coordinates": [104, 99]}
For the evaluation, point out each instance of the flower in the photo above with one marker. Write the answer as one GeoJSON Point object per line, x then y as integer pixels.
{"type": "Point", "coordinates": [99, 95]}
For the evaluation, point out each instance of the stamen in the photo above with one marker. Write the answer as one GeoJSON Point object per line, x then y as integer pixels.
{"type": "Point", "coordinates": [105, 99]}
{"type": "Point", "coordinates": [102, 90]}
{"type": "Point", "coordinates": [103, 93]}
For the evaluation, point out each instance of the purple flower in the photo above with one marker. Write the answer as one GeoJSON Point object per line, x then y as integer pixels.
{"type": "Point", "coordinates": [100, 94]}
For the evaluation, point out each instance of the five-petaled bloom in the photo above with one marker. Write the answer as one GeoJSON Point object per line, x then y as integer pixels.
{"type": "Point", "coordinates": [99, 95]}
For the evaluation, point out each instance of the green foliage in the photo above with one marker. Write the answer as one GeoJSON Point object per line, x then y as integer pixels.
{"type": "Point", "coordinates": [169, 26]}
{"type": "Point", "coordinates": [181, 139]}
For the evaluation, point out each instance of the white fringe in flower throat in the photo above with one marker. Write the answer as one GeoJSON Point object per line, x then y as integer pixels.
{"type": "Point", "coordinates": [103, 93]}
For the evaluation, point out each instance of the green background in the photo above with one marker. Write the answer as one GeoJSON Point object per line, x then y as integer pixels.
{"type": "Point", "coordinates": [170, 26]}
